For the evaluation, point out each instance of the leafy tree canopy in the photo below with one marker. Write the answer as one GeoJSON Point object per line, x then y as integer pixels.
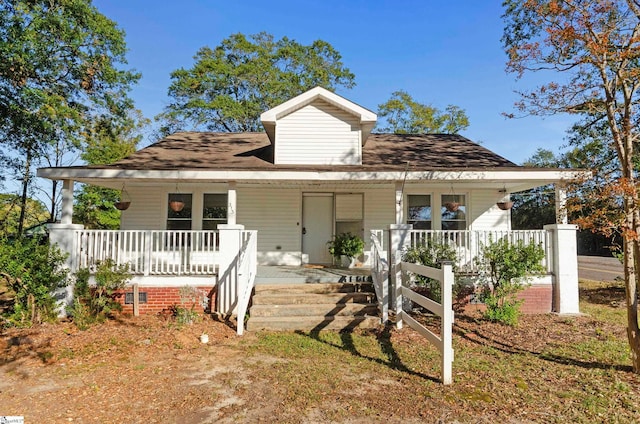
{"type": "Point", "coordinates": [593, 48]}
{"type": "Point", "coordinates": [404, 115]}
{"type": "Point", "coordinates": [109, 141]}
{"type": "Point", "coordinates": [36, 213]}
{"type": "Point", "coordinates": [59, 68]}
{"type": "Point", "coordinates": [230, 85]}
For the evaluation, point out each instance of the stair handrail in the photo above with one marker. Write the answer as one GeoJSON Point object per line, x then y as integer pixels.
{"type": "Point", "coordinates": [247, 268]}
{"type": "Point", "coordinates": [380, 276]}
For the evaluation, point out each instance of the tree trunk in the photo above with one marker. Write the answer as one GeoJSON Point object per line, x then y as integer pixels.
{"type": "Point", "coordinates": [25, 191]}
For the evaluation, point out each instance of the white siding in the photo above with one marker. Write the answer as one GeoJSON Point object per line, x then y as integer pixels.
{"type": "Point", "coordinates": [349, 207]}
{"type": "Point", "coordinates": [485, 215]}
{"type": "Point", "coordinates": [318, 134]}
{"type": "Point", "coordinates": [145, 212]}
{"type": "Point", "coordinates": [276, 214]}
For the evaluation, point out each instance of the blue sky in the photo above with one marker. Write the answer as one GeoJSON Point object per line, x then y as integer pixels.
{"type": "Point", "coordinates": [440, 52]}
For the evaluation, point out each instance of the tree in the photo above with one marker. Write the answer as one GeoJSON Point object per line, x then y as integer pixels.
{"type": "Point", "coordinates": [35, 213]}
{"type": "Point", "coordinates": [109, 141]}
{"type": "Point", "coordinates": [404, 115]}
{"type": "Point", "coordinates": [534, 208]}
{"type": "Point", "coordinates": [593, 47]}
{"type": "Point", "coordinates": [229, 86]}
{"type": "Point", "coordinates": [59, 68]}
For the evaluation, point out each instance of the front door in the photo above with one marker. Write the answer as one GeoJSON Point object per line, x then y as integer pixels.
{"type": "Point", "coordinates": [317, 226]}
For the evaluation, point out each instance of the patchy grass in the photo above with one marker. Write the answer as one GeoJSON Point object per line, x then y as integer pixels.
{"type": "Point", "coordinates": [548, 369]}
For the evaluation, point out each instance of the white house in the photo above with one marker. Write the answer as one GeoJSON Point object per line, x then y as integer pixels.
{"type": "Point", "coordinates": [316, 171]}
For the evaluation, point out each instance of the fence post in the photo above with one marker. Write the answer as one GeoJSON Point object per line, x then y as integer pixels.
{"type": "Point", "coordinates": [447, 322]}
{"type": "Point", "coordinates": [565, 268]}
{"type": "Point", "coordinates": [230, 243]}
{"type": "Point", "coordinates": [398, 239]}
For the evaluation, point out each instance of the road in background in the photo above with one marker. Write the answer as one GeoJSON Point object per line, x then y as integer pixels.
{"type": "Point", "coordinates": [599, 268]}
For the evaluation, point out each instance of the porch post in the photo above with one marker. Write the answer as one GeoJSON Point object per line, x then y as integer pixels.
{"type": "Point", "coordinates": [232, 206]}
{"type": "Point", "coordinates": [230, 244]}
{"type": "Point", "coordinates": [67, 202]}
{"type": "Point", "coordinates": [63, 235]}
{"type": "Point", "coordinates": [399, 239]}
{"type": "Point", "coordinates": [565, 268]}
{"type": "Point", "coordinates": [561, 204]}
{"type": "Point", "coordinates": [399, 203]}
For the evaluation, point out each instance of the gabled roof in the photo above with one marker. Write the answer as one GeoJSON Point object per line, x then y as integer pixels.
{"type": "Point", "coordinates": [252, 151]}
{"type": "Point", "coordinates": [366, 117]}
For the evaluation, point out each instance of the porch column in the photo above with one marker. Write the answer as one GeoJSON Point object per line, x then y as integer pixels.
{"type": "Point", "coordinates": [227, 293]}
{"type": "Point", "coordinates": [63, 235]}
{"type": "Point", "coordinates": [232, 206]}
{"type": "Point", "coordinates": [561, 204]}
{"type": "Point", "coordinates": [399, 203]}
{"type": "Point", "coordinates": [399, 238]}
{"type": "Point", "coordinates": [564, 255]}
{"type": "Point", "coordinates": [67, 202]}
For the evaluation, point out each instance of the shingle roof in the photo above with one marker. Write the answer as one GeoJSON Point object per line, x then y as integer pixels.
{"type": "Point", "coordinates": [253, 151]}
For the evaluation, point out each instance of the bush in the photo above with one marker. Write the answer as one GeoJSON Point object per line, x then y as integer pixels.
{"type": "Point", "coordinates": [32, 271]}
{"type": "Point", "coordinates": [346, 244]}
{"type": "Point", "coordinates": [431, 254]}
{"type": "Point", "coordinates": [506, 270]}
{"type": "Point", "coordinates": [96, 303]}
{"type": "Point", "coordinates": [185, 312]}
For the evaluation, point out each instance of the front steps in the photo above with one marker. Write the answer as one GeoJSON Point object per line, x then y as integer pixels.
{"type": "Point", "coordinates": [313, 307]}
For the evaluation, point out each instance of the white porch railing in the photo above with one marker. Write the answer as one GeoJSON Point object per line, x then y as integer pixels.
{"type": "Point", "coordinates": [247, 265]}
{"type": "Point", "coordinates": [380, 274]}
{"type": "Point", "coordinates": [468, 244]}
{"type": "Point", "coordinates": [149, 252]}
{"type": "Point", "coordinates": [444, 341]}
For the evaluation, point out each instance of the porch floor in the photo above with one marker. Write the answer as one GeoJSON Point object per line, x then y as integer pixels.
{"type": "Point", "coordinates": [309, 274]}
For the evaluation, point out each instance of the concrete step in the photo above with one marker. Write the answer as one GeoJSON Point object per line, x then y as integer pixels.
{"type": "Point", "coordinates": [318, 288]}
{"type": "Point", "coordinates": [314, 310]}
{"type": "Point", "coordinates": [335, 323]}
{"type": "Point", "coordinates": [311, 298]}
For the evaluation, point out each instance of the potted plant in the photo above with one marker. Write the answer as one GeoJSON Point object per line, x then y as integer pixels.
{"type": "Point", "coordinates": [345, 247]}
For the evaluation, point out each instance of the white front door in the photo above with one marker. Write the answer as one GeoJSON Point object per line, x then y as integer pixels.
{"type": "Point", "coordinates": [317, 227]}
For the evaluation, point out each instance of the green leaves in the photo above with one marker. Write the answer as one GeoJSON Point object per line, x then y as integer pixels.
{"type": "Point", "coordinates": [404, 115]}
{"type": "Point", "coordinates": [229, 86]}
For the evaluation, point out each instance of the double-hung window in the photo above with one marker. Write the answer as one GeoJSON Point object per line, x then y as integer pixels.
{"type": "Point", "coordinates": [419, 211]}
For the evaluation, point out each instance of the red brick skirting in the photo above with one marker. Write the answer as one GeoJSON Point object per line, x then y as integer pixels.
{"type": "Point", "coordinates": [538, 299]}
{"type": "Point", "coordinates": [162, 299]}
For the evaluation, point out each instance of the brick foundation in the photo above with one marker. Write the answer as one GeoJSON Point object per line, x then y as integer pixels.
{"type": "Point", "coordinates": [538, 299]}
{"type": "Point", "coordinates": [160, 300]}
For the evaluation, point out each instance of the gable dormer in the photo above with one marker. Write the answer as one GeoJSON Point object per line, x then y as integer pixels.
{"type": "Point", "coordinates": [318, 127]}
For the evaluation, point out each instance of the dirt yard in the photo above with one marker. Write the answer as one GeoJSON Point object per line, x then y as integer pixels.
{"type": "Point", "coordinates": [149, 370]}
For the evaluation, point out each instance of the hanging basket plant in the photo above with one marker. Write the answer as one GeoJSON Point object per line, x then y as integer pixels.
{"type": "Point", "coordinates": [124, 202]}
{"type": "Point", "coordinates": [176, 205]}
{"type": "Point", "coordinates": [505, 206]}
{"type": "Point", "coordinates": [452, 206]}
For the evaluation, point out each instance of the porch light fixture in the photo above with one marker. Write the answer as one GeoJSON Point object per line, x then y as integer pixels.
{"type": "Point", "coordinates": [505, 202]}
{"type": "Point", "coordinates": [125, 200]}
{"type": "Point", "coordinates": [176, 205]}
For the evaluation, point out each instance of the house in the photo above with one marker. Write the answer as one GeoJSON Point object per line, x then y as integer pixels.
{"type": "Point", "coordinates": [316, 171]}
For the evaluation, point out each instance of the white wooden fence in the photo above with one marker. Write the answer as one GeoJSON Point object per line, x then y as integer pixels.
{"type": "Point", "coordinates": [444, 342]}
{"type": "Point", "coordinates": [247, 266]}
{"type": "Point", "coordinates": [380, 274]}
{"type": "Point", "coordinates": [468, 244]}
{"type": "Point", "coordinates": [149, 252]}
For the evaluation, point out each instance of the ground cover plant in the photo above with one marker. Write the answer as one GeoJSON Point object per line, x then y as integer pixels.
{"type": "Point", "coordinates": [546, 369]}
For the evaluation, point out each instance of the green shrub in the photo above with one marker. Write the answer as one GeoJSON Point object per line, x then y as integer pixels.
{"type": "Point", "coordinates": [506, 270]}
{"type": "Point", "coordinates": [185, 312]}
{"type": "Point", "coordinates": [96, 303]}
{"type": "Point", "coordinates": [431, 254]}
{"type": "Point", "coordinates": [346, 244]}
{"type": "Point", "coordinates": [33, 271]}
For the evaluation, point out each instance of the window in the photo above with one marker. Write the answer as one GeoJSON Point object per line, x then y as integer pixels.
{"type": "Point", "coordinates": [419, 211]}
{"type": "Point", "coordinates": [454, 212]}
{"type": "Point", "coordinates": [349, 214]}
{"type": "Point", "coordinates": [179, 218]}
{"type": "Point", "coordinates": [214, 211]}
